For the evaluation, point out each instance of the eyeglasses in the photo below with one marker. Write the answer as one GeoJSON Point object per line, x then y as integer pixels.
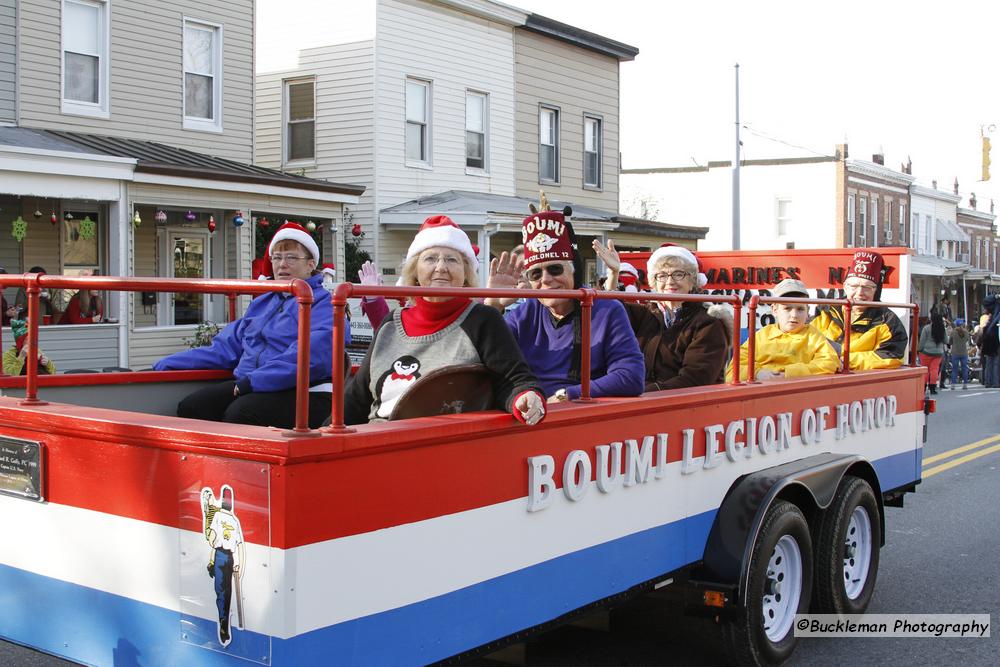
{"type": "Point", "coordinates": [554, 270]}
{"type": "Point", "coordinates": [278, 259]}
{"type": "Point", "coordinates": [677, 276]}
{"type": "Point", "coordinates": [450, 261]}
{"type": "Point", "coordinates": [859, 287]}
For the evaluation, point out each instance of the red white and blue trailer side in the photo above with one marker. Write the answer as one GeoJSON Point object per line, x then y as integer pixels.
{"type": "Point", "coordinates": [399, 543]}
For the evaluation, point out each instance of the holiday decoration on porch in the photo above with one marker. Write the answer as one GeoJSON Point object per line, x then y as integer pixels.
{"type": "Point", "coordinates": [67, 216]}
{"type": "Point", "coordinates": [54, 219]}
{"type": "Point", "coordinates": [38, 214]}
{"type": "Point", "coordinates": [238, 219]}
{"type": "Point", "coordinates": [264, 223]}
{"type": "Point", "coordinates": [311, 226]}
{"type": "Point", "coordinates": [136, 220]}
{"type": "Point", "coordinates": [211, 223]}
{"type": "Point", "coordinates": [190, 216]}
{"type": "Point", "coordinates": [356, 229]}
{"type": "Point", "coordinates": [160, 217]}
{"type": "Point", "coordinates": [87, 228]}
{"type": "Point", "coordinates": [19, 229]}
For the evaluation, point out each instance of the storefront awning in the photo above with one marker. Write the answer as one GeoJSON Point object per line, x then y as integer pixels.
{"type": "Point", "coordinates": [929, 265]}
{"type": "Point", "coordinates": [950, 231]}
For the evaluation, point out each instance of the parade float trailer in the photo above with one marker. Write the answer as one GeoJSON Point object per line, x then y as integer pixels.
{"type": "Point", "coordinates": [434, 538]}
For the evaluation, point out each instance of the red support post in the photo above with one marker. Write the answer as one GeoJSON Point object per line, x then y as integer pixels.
{"type": "Point", "coordinates": [34, 305]}
{"type": "Point", "coordinates": [737, 314]}
{"type": "Point", "coordinates": [302, 362]}
{"type": "Point", "coordinates": [232, 306]}
{"type": "Point", "coordinates": [847, 311]}
{"type": "Point", "coordinates": [586, 309]}
{"type": "Point", "coordinates": [752, 339]}
{"type": "Point", "coordinates": [339, 299]}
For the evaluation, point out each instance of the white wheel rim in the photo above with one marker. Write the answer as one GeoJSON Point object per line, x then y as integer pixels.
{"type": "Point", "coordinates": [782, 588]}
{"type": "Point", "coordinates": [857, 552]}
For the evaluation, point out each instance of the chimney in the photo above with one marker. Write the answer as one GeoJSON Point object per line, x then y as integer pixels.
{"type": "Point", "coordinates": [934, 184]}
{"type": "Point", "coordinates": [841, 151]}
{"type": "Point", "coordinates": [972, 201]}
{"type": "Point", "coordinates": [878, 158]}
{"type": "Point", "coordinates": [956, 185]}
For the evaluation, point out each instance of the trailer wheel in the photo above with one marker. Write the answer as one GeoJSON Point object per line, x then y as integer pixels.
{"type": "Point", "coordinates": [847, 550]}
{"type": "Point", "coordinates": [778, 587]}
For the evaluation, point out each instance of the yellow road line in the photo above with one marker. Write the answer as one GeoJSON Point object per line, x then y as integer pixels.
{"type": "Point", "coordinates": [959, 450]}
{"type": "Point", "coordinates": [959, 461]}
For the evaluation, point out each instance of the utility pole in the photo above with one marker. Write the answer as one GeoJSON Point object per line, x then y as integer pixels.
{"type": "Point", "coordinates": [736, 169]}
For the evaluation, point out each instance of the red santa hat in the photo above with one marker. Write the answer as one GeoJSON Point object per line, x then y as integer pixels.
{"type": "Point", "coordinates": [628, 276]}
{"type": "Point", "coordinates": [330, 270]}
{"type": "Point", "coordinates": [546, 238]}
{"type": "Point", "coordinates": [870, 266]}
{"type": "Point", "coordinates": [680, 252]}
{"type": "Point", "coordinates": [441, 231]}
{"type": "Point", "coordinates": [260, 268]}
{"type": "Point", "coordinates": [293, 231]}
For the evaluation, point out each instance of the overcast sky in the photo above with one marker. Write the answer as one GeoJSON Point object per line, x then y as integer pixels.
{"type": "Point", "coordinates": [913, 79]}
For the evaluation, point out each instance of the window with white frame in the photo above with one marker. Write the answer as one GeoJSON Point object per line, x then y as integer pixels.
{"type": "Point", "coordinates": [548, 145]}
{"type": "Point", "coordinates": [862, 220]}
{"type": "Point", "coordinates": [418, 126]}
{"type": "Point", "coordinates": [887, 220]}
{"type": "Point", "coordinates": [783, 215]}
{"type": "Point", "coordinates": [915, 231]}
{"type": "Point", "coordinates": [902, 223]}
{"type": "Point", "coordinates": [875, 221]}
{"type": "Point", "coordinates": [300, 120]}
{"type": "Point", "coordinates": [202, 76]}
{"type": "Point", "coordinates": [476, 123]}
{"type": "Point", "coordinates": [593, 151]}
{"type": "Point", "coordinates": [851, 212]}
{"type": "Point", "coordinates": [85, 57]}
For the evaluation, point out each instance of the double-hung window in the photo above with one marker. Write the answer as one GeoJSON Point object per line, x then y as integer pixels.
{"type": "Point", "coordinates": [862, 221]}
{"type": "Point", "coordinates": [418, 121]}
{"type": "Point", "coordinates": [902, 224]}
{"type": "Point", "coordinates": [592, 151]}
{"type": "Point", "coordinates": [202, 76]}
{"type": "Point", "coordinates": [851, 213]}
{"type": "Point", "coordinates": [300, 120]}
{"type": "Point", "coordinates": [85, 59]}
{"type": "Point", "coordinates": [887, 221]}
{"type": "Point", "coordinates": [783, 216]}
{"type": "Point", "coordinates": [476, 124]}
{"type": "Point", "coordinates": [548, 145]}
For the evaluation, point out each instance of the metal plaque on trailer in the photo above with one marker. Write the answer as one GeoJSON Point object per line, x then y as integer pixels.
{"type": "Point", "coordinates": [21, 469]}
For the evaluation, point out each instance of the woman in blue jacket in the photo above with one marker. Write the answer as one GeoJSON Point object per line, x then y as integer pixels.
{"type": "Point", "coordinates": [261, 348]}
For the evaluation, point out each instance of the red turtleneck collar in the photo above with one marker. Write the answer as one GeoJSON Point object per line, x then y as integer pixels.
{"type": "Point", "coordinates": [426, 317]}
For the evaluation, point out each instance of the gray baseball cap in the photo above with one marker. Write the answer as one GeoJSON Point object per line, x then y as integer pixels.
{"type": "Point", "coordinates": [790, 287]}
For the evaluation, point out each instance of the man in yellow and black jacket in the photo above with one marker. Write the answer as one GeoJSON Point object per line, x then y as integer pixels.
{"type": "Point", "coordinates": [878, 338]}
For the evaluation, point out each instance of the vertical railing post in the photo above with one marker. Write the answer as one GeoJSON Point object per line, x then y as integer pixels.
{"type": "Point", "coordinates": [752, 339]}
{"type": "Point", "coordinates": [586, 310]}
{"type": "Point", "coordinates": [737, 316]}
{"type": "Point", "coordinates": [31, 356]}
{"type": "Point", "coordinates": [847, 311]}
{"type": "Point", "coordinates": [339, 299]}
{"type": "Point", "coordinates": [232, 306]}
{"type": "Point", "coordinates": [302, 365]}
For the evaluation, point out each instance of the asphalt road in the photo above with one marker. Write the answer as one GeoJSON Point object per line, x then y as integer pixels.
{"type": "Point", "coordinates": [940, 556]}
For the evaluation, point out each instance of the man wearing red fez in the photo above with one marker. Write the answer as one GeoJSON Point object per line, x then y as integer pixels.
{"type": "Point", "coordinates": [548, 329]}
{"type": "Point", "coordinates": [878, 338]}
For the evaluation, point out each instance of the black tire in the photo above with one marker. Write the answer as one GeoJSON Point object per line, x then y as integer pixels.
{"type": "Point", "coordinates": [745, 634]}
{"type": "Point", "coordinates": [832, 544]}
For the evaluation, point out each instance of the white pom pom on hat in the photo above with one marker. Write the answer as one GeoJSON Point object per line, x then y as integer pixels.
{"type": "Point", "coordinates": [293, 231]}
{"type": "Point", "coordinates": [441, 231]}
{"type": "Point", "coordinates": [680, 252]}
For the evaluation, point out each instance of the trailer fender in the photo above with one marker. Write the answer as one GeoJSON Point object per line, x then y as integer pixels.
{"type": "Point", "coordinates": [810, 483]}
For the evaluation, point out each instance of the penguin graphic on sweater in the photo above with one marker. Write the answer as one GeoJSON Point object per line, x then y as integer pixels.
{"type": "Point", "coordinates": [396, 382]}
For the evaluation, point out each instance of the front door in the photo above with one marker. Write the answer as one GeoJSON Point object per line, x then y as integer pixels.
{"type": "Point", "coordinates": [190, 260]}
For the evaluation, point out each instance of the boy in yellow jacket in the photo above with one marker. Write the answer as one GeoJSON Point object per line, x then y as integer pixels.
{"type": "Point", "coordinates": [790, 347]}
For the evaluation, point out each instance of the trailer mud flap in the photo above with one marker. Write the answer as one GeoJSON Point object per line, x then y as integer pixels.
{"type": "Point", "coordinates": [224, 552]}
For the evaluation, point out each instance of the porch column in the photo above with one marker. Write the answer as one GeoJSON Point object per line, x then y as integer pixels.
{"type": "Point", "coordinates": [120, 239]}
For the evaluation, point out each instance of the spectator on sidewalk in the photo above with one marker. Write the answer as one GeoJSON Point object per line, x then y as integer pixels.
{"type": "Point", "coordinates": [960, 353]}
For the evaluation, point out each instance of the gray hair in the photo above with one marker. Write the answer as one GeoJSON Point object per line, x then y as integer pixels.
{"type": "Point", "coordinates": [408, 272]}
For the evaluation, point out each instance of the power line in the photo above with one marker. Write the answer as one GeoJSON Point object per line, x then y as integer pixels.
{"type": "Point", "coordinates": [768, 137]}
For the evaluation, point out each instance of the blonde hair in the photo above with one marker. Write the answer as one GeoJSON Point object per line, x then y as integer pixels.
{"type": "Point", "coordinates": [408, 272]}
{"type": "Point", "coordinates": [675, 262]}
